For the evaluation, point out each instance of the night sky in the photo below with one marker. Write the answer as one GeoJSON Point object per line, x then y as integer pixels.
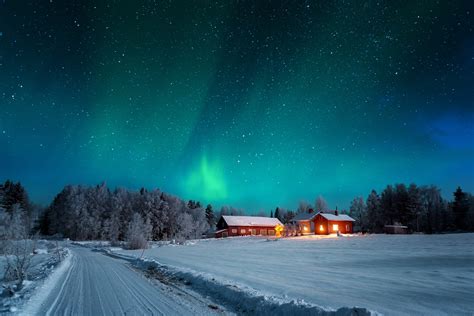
{"type": "Point", "coordinates": [246, 103]}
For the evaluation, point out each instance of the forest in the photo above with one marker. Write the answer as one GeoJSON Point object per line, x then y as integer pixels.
{"type": "Point", "coordinates": [98, 213]}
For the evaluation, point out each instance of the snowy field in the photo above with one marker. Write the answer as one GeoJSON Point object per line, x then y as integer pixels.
{"type": "Point", "coordinates": [389, 274]}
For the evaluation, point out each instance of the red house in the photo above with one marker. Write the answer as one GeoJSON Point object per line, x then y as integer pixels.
{"type": "Point", "coordinates": [326, 224]}
{"type": "Point", "coordinates": [323, 223]}
{"type": "Point", "coordinates": [228, 226]}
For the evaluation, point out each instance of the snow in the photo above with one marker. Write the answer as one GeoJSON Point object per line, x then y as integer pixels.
{"type": "Point", "coordinates": [333, 217]}
{"type": "Point", "coordinates": [43, 263]}
{"type": "Point", "coordinates": [91, 283]}
{"type": "Point", "coordinates": [34, 303]}
{"type": "Point", "coordinates": [389, 274]}
{"type": "Point", "coordinates": [251, 221]}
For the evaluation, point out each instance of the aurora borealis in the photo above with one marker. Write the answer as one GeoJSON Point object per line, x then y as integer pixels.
{"type": "Point", "coordinates": [246, 103]}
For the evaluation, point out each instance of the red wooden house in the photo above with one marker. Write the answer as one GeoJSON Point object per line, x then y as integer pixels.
{"type": "Point", "coordinates": [323, 223]}
{"type": "Point", "coordinates": [228, 226]}
{"type": "Point", "coordinates": [326, 224]}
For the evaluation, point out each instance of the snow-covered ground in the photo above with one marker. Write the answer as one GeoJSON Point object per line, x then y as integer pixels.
{"type": "Point", "coordinates": [43, 263]}
{"type": "Point", "coordinates": [390, 274]}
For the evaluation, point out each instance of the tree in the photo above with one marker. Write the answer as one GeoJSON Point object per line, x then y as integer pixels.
{"type": "Point", "coordinates": [211, 220]}
{"type": "Point", "coordinates": [374, 215]}
{"type": "Point", "coordinates": [320, 204]}
{"type": "Point", "coordinates": [359, 212]}
{"type": "Point", "coordinates": [17, 245]}
{"type": "Point", "coordinates": [288, 217]}
{"type": "Point", "coordinates": [277, 214]}
{"type": "Point", "coordinates": [303, 207]}
{"type": "Point", "coordinates": [138, 233]}
{"type": "Point", "coordinates": [460, 208]}
{"type": "Point", "coordinates": [387, 206]}
{"type": "Point", "coordinates": [271, 214]}
{"type": "Point", "coordinates": [433, 209]}
{"type": "Point", "coordinates": [414, 206]}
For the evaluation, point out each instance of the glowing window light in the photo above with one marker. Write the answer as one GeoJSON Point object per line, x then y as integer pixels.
{"type": "Point", "coordinates": [335, 227]}
{"type": "Point", "coordinates": [321, 228]}
{"type": "Point", "coordinates": [305, 228]}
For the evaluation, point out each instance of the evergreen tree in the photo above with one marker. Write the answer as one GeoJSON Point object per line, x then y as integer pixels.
{"type": "Point", "coordinates": [460, 208]}
{"type": "Point", "coordinates": [278, 214]}
{"type": "Point", "coordinates": [359, 212]}
{"type": "Point", "coordinates": [414, 207]}
{"type": "Point", "coordinates": [211, 220]}
{"type": "Point", "coordinates": [271, 214]}
{"type": "Point", "coordinates": [374, 214]}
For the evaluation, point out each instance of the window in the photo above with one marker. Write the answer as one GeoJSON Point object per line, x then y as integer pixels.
{"type": "Point", "coordinates": [347, 228]}
{"type": "Point", "coordinates": [321, 228]}
{"type": "Point", "coordinates": [263, 232]}
{"type": "Point", "coordinates": [253, 231]}
{"type": "Point", "coordinates": [234, 230]}
{"type": "Point", "coordinates": [242, 231]}
{"type": "Point", "coordinates": [335, 227]}
{"type": "Point", "coordinates": [271, 232]}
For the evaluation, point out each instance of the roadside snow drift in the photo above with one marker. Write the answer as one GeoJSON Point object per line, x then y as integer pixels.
{"type": "Point", "coordinates": [409, 274]}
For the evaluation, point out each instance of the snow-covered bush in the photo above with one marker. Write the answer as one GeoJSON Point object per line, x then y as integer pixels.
{"type": "Point", "coordinates": [138, 233]}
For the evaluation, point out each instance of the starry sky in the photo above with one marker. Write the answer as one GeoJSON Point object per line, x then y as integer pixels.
{"type": "Point", "coordinates": [246, 103]}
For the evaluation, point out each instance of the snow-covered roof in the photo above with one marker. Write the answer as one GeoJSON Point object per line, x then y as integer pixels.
{"type": "Point", "coordinates": [332, 217]}
{"type": "Point", "coordinates": [251, 221]}
{"type": "Point", "coordinates": [304, 216]}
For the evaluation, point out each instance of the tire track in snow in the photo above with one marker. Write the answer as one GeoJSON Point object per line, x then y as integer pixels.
{"type": "Point", "coordinates": [100, 285]}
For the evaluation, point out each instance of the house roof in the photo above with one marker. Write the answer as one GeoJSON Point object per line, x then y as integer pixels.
{"type": "Point", "coordinates": [342, 217]}
{"type": "Point", "coordinates": [304, 216]}
{"type": "Point", "coordinates": [251, 221]}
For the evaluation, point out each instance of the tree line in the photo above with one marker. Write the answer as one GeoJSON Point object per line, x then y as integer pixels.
{"type": "Point", "coordinates": [420, 208]}
{"type": "Point", "coordinates": [86, 213]}
{"type": "Point", "coordinates": [96, 212]}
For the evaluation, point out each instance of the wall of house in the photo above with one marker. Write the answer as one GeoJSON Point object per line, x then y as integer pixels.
{"type": "Point", "coordinates": [344, 227]}
{"type": "Point", "coordinates": [247, 231]}
{"type": "Point", "coordinates": [305, 227]}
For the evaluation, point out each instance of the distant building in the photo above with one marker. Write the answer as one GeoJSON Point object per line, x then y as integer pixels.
{"type": "Point", "coordinates": [396, 229]}
{"type": "Point", "coordinates": [228, 226]}
{"type": "Point", "coordinates": [305, 222]}
{"type": "Point", "coordinates": [323, 223]}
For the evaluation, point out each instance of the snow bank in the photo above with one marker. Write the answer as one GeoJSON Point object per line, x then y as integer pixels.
{"type": "Point", "coordinates": [390, 274]}
{"type": "Point", "coordinates": [42, 292]}
{"type": "Point", "coordinates": [242, 299]}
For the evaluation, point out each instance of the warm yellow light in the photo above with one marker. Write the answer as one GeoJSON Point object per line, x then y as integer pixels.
{"type": "Point", "coordinates": [321, 228]}
{"type": "Point", "coordinates": [305, 228]}
{"type": "Point", "coordinates": [278, 230]}
{"type": "Point", "coordinates": [335, 227]}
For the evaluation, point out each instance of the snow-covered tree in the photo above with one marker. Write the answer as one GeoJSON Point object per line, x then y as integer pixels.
{"type": "Point", "coordinates": [320, 204]}
{"type": "Point", "coordinates": [303, 206]}
{"type": "Point", "coordinates": [138, 233]}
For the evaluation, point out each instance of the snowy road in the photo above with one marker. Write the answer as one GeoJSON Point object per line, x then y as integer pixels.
{"type": "Point", "coordinates": [96, 284]}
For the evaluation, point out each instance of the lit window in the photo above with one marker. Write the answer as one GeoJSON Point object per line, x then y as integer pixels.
{"type": "Point", "coordinates": [321, 228]}
{"type": "Point", "coordinates": [234, 231]}
{"type": "Point", "coordinates": [335, 227]}
{"type": "Point", "coordinates": [242, 231]}
{"type": "Point", "coordinates": [305, 228]}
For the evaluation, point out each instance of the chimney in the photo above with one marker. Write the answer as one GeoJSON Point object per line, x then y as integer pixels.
{"type": "Point", "coordinates": [336, 212]}
{"type": "Point", "coordinates": [310, 211]}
